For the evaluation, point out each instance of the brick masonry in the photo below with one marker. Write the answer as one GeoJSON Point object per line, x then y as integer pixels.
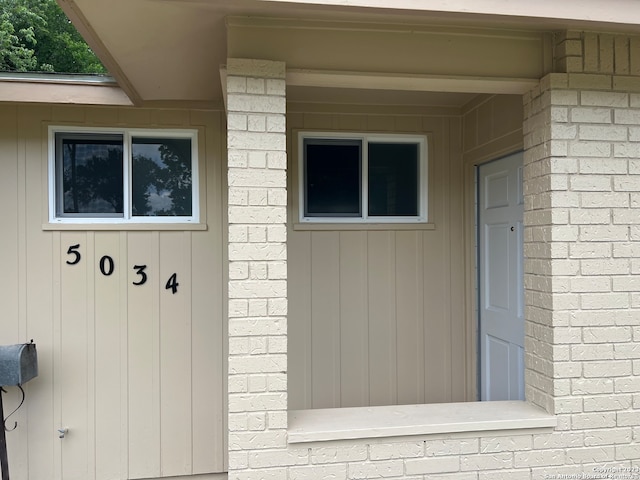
{"type": "Point", "coordinates": [582, 261]}
{"type": "Point", "coordinates": [257, 382]}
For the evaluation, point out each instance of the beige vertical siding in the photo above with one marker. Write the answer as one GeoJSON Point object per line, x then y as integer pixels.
{"type": "Point", "coordinates": [379, 317]}
{"type": "Point", "coordinates": [492, 126]}
{"type": "Point", "coordinates": [388, 317]}
{"type": "Point", "coordinates": [135, 373]}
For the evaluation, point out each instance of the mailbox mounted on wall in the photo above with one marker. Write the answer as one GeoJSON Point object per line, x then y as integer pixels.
{"type": "Point", "coordinates": [18, 363]}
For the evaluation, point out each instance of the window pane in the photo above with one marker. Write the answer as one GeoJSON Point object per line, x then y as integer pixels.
{"type": "Point", "coordinates": [393, 179]}
{"type": "Point", "coordinates": [91, 174]}
{"type": "Point", "coordinates": [332, 178]}
{"type": "Point", "coordinates": [161, 177]}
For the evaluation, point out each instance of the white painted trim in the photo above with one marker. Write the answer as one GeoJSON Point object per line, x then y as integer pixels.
{"type": "Point", "coordinates": [119, 227]}
{"type": "Point", "coordinates": [127, 219]}
{"type": "Point", "coordinates": [595, 11]}
{"type": "Point", "coordinates": [357, 423]}
{"type": "Point", "coordinates": [406, 82]}
{"type": "Point", "coordinates": [366, 138]}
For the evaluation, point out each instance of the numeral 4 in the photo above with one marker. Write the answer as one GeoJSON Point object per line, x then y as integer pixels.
{"type": "Point", "coordinates": [172, 283]}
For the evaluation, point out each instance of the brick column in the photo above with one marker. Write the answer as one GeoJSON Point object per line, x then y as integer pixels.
{"type": "Point", "coordinates": [582, 245]}
{"type": "Point", "coordinates": [256, 142]}
{"type": "Point", "coordinates": [549, 174]}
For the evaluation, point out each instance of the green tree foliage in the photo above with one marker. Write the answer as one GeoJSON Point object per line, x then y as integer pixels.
{"type": "Point", "coordinates": [36, 36]}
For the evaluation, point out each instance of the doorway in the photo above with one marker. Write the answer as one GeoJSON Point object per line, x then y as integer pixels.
{"type": "Point", "coordinates": [501, 279]}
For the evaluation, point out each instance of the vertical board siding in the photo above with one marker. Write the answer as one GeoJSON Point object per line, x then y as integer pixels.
{"type": "Point", "coordinates": [135, 373]}
{"type": "Point", "coordinates": [354, 334]}
{"type": "Point", "coordinates": [107, 347]}
{"type": "Point", "coordinates": [436, 322]}
{"type": "Point", "coordinates": [446, 188]}
{"type": "Point", "coordinates": [325, 320]}
{"type": "Point", "coordinates": [12, 318]}
{"type": "Point", "coordinates": [382, 318]}
{"type": "Point", "coordinates": [9, 244]}
{"type": "Point", "coordinates": [144, 346]}
{"type": "Point", "coordinates": [175, 356]}
{"type": "Point", "coordinates": [208, 354]}
{"type": "Point", "coordinates": [77, 295]}
{"type": "Point", "coordinates": [409, 318]}
{"type": "Point", "coordinates": [299, 325]}
{"type": "Point", "coordinates": [35, 277]}
{"type": "Point", "coordinates": [386, 307]}
{"type": "Point", "coordinates": [460, 352]}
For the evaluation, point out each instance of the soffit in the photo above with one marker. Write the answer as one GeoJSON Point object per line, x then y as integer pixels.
{"type": "Point", "coordinates": [565, 14]}
{"type": "Point", "coordinates": [167, 51]}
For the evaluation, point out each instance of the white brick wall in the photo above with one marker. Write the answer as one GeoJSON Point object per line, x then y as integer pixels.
{"type": "Point", "coordinates": [582, 211]}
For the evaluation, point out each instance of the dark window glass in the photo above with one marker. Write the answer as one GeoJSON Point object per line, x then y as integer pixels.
{"type": "Point", "coordinates": [332, 178]}
{"type": "Point", "coordinates": [91, 174]}
{"type": "Point", "coordinates": [393, 179]}
{"type": "Point", "coordinates": [161, 177]}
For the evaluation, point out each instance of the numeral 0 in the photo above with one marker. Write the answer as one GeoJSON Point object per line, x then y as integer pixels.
{"type": "Point", "coordinates": [106, 265]}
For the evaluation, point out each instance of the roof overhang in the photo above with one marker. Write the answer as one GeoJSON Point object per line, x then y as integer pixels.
{"type": "Point", "coordinates": [165, 53]}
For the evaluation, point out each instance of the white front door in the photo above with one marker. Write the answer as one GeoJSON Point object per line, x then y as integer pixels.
{"type": "Point", "coordinates": [501, 289]}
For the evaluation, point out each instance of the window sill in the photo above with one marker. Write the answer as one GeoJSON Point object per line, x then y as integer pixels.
{"type": "Point", "coordinates": [362, 226]}
{"type": "Point", "coordinates": [124, 226]}
{"type": "Point", "coordinates": [352, 423]}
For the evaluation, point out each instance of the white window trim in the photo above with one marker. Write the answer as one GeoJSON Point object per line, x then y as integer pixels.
{"type": "Point", "coordinates": [127, 134]}
{"type": "Point", "coordinates": [365, 138]}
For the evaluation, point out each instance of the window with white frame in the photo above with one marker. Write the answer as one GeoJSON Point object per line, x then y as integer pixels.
{"type": "Point", "coordinates": [362, 178]}
{"type": "Point", "coordinates": [123, 176]}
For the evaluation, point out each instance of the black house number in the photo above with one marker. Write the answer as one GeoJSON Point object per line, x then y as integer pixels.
{"type": "Point", "coordinates": [73, 251]}
{"type": "Point", "coordinates": [140, 271]}
{"type": "Point", "coordinates": [107, 267]}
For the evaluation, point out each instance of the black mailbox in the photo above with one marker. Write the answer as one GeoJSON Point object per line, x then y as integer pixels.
{"type": "Point", "coordinates": [18, 363]}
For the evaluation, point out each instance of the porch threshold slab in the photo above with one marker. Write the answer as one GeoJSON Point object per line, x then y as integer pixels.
{"type": "Point", "coordinates": [352, 423]}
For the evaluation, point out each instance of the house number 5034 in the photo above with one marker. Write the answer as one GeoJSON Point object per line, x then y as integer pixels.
{"type": "Point", "coordinates": [107, 266]}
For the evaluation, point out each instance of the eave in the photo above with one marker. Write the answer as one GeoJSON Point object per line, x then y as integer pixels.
{"type": "Point", "coordinates": [64, 89]}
